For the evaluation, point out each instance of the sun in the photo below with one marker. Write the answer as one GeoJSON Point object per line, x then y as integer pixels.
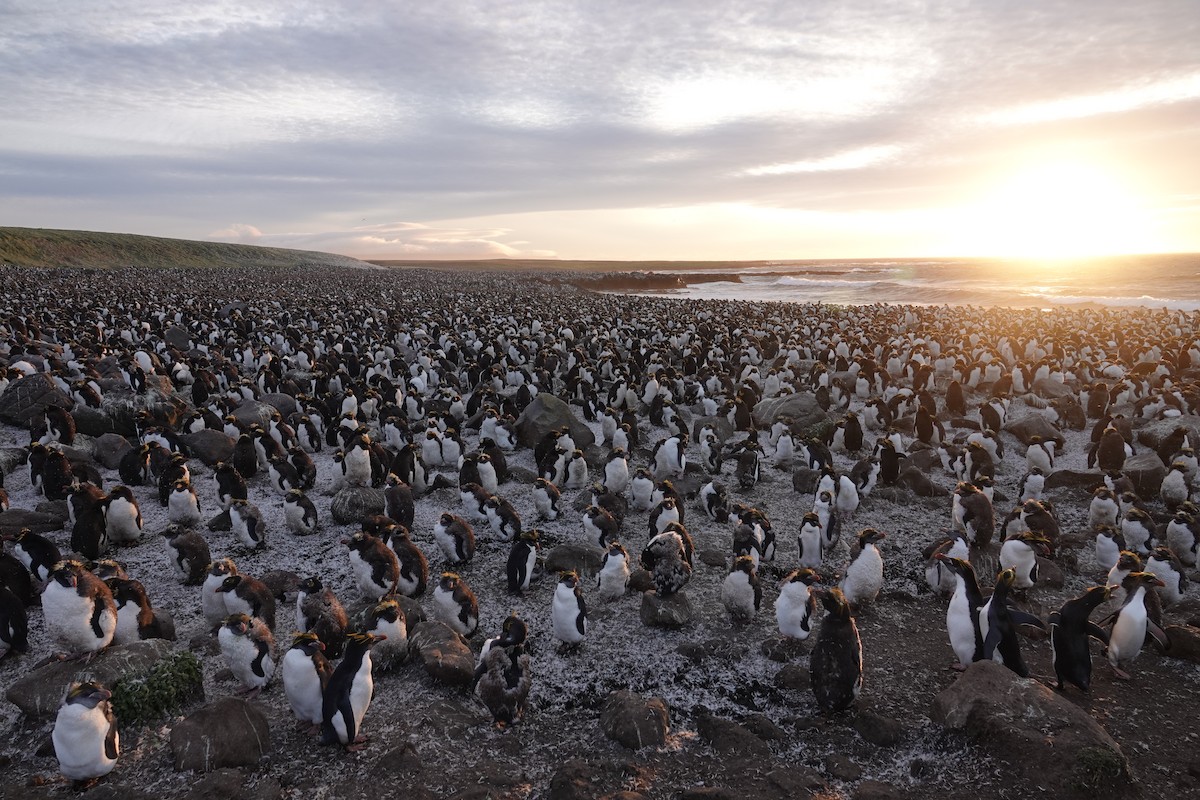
{"type": "Point", "coordinates": [1056, 210]}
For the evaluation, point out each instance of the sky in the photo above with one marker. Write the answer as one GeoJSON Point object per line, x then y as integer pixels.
{"type": "Point", "coordinates": [609, 129]}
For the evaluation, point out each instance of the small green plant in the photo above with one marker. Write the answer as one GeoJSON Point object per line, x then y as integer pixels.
{"type": "Point", "coordinates": [1097, 767]}
{"type": "Point", "coordinates": [171, 684]}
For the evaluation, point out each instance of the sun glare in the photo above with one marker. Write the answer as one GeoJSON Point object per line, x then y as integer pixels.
{"type": "Point", "coordinates": [1060, 210]}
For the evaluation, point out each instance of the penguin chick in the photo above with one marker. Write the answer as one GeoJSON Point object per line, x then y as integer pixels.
{"type": "Point", "coordinates": [306, 672]}
{"type": "Point", "coordinates": [796, 604]}
{"type": "Point", "coordinates": [386, 619]}
{"type": "Point", "coordinates": [189, 554]}
{"type": "Point", "coordinates": [612, 582]}
{"type": "Point", "coordinates": [455, 604]}
{"type": "Point", "coordinates": [247, 524]}
{"type": "Point", "coordinates": [504, 684]}
{"type": "Point", "coordinates": [86, 741]}
{"type": "Point", "coordinates": [864, 576]}
{"type": "Point", "coordinates": [248, 647]}
{"type": "Point", "coordinates": [569, 611]}
{"type": "Point", "coordinates": [836, 662]}
{"type": "Point", "coordinates": [79, 609]}
{"type": "Point", "coordinates": [741, 592]}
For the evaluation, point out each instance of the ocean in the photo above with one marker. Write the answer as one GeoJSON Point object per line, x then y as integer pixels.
{"type": "Point", "coordinates": [1153, 281]}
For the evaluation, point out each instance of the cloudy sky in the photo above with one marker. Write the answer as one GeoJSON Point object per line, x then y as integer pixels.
{"type": "Point", "coordinates": [609, 129]}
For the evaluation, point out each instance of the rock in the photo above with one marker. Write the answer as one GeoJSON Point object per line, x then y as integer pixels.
{"type": "Point", "coordinates": [1152, 434]}
{"type": "Point", "coordinates": [1032, 425]}
{"type": "Point", "coordinates": [923, 458]}
{"type": "Point", "coordinates": [574, 780]}
{"type": "Point", "coordinates": [446, 656]}
{"type": "Point", "coordinates": [1185, 642]}
{"type": "Point", "coordinates": [709, 793]}
{"type": "Point", "coordinates": [878, 790]}
{"type": "Point", "coordinates": [764, 728]}
{"type": "Point", "coordinates": [801, 407]}
{"type": "Point", "coordinates": [229, 732]}
{"type": "Point", "coordinates": [252, 411]}
{"type": "Point", "coordinates": [1042, 737]}
{"type": "Point", "coordinates": [634, 721]}
{"type": "Point", "coordinates": [574, 557]}
{"type": "Point", "coordinates": [1146, 470]}
{"type": "Point", "coordinates": [640, 580]}
{"type": "Point", "coordinates": [804, 480]}
{"type": "Point", "coordinates": [673, 611]}
{"type": "Point", "coordinates": [93, 421]}
{"type": "Point", "coordinates": [1074, 479]}
{"type": "Point", "coordinates": [221, 522]}
{"type": "Point", "coordinates": [27, 397]}
{"type": "Point", "coordinates": [285, 404]}
{"type": "Point", "coordinates": [729, 738]}
{"type": "Point", "coordinates": [14, 519]}
{"type": "Point", "coordinates": [794, 677]}
{"type": "Point", "coordinates": [397, 763]}
{"type": "Point", "coordinates": [781, 648]}
{"type": "Point", "coordinates": [841, 768]}
{"type": "Point", "coordinates": [210, 446]}
{"type": "Point", "coordinates": [964, 423]}
{"type": "Point", "coordinates": [110, 448]}
{"type": "Point", "coordinates": [353, 503]}
{"type": "Point", "coordinates": [878, 730]}
{"type": "Point", "coordinates": [229, 308]}
{"type": "Point", "coordinates": [721, 428]}
{"type": "Point", "coordinates": [1051, 389]}
{"type": "Point", "coordinates": [919, 483]}
{"type": "Point", "coordinates": [794, 781]}
{"type": "Point", "coordinates": [178, 337]}
{"type": "Point", "coordinates": [39, 692]}
{"type": "Point", "coordinates": [546, 413]}
{"type": "Point", "coordinates": [521, 475]}
{"type": "Point", "coordinates": [1050, 575]}
{"type": "Point", "coordinates": [280, 581]}
{"type": "Point", "coordinates": [54, 508]}
{"type": "Point", "coordinates": [713, 558]}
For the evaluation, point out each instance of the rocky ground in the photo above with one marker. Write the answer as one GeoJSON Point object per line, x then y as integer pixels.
{"type": "Point", "coordinates": [742, 720]}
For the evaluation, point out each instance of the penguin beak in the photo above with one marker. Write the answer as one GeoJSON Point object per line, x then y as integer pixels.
{"type": "Point", "coordinates": [1107, 592]}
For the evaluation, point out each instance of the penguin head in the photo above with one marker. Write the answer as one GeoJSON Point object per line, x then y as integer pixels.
{"type": "Point", "coordinates": [810, 519]}
{"type": "Point", "coordinates": [744, 564]}
{"type": "Point", "coordinates": [616, 549]}
{"type": "Point", "coordinates": [308, 643]}
{"type": "Point", "coordinates": [532, 535]}
{"type": "Point", "coordinates": [107, 568]}
{"type": "Point", "coordinates": [449, 581]}
{"type": "Point", "coordinates": [835, 604]}
{"type": "Point", "coordinates": [293, 496]}
{"type": "Point", "coordinates": [66, 573]}
{"type": "Point", "coordinates": [568, 579]}
{"type": "Point", "coordinates": [1036, 541]}
{"type": "Point", "coordinates": [1135, 580]}
{"type": "Point", "coordinates": [389, 610]}
{"type": "Point", "coordinates": [870, 536]}
{"type": "Point", "coordinates": [1164, 555]}
{"type": "Point", "coordinates": [446, 519]}
{"type": "Point", "coordinates": [222, 566]}
{"type": "Point", "coordinates": [1129, 560]}
{"type": "Point", "coordinates": [311, 585]}
{"type": "Point", "coordinates": [88, 694]}
{"type": "Point", "coordinates": [806, 576]}
{"type": "Point", "coordinates": [514, 631]}
{"type": "Point", "coordinates": [1005, 579]}
{"type": "Point", "coordinates": [238, 624]}
{"type": "Point", "coordinates": [230, 583]}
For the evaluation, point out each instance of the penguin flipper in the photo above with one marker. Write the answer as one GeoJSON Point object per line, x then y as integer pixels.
{"type": "Point", "coordinates": [1096, 632]}
{"type": "Point", "coordinates": [1023, 618]}
{"type": "Point", "coordinates": [256, 666]}
{"type": "Point", "coordinates": [97, 609]}
{"type": "Point", "coordinates": [1161, 640]}
{"type": "Point", "coordinates": [111, 743]}
{"type": "Point", "coordinates": [990, 643]}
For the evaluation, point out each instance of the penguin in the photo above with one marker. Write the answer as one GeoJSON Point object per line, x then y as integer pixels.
{"type": "Point", "coordinates": [835, 665]}
{"type": "Point", "coordinates": [864, 576]}
{"type": "Point", "coordinates": [244, 458]}
{"type": "Point", "coordinates": [1163, 564]}
{"type": "Point", "coordinates": [1032, 485]}
{"type": "Point", "coordinates": [299, 513]}
{"type": "Point", "coordinates": [189, 554]}
{"type": "Point", "coordinates": [1070, 630]}
{"type": "Point", "coordinates": [1138, 529]}
{"type": "Point", "coordinates": [612, 581]}
{"type": "Point", "coordinates": [249, 650]}
{"type": "Point", "coordinates": [1131, 623]}
{"type": "Point", "coordinates": [600, 526]}
{"type": "Point", "coordinates": [1104, 508]}
{"type": "Point", "coordinates": [318, 611]}
{"type": "Point", "coordinates": [796, 604]}
{"type": "Point", "coordinates": [282, 475]}
{"type": "Point", "coordinates": [306, 671]}
{"type": "Point", "coordinates": [1175, 489]}
{"type": "Point", "coordinates": [136, 619]}
{"type": "Point", "coordinates": [398, 500]}
{"type": "Point", "coordinates": [247, 524]}
{"type": "Point", "coordinates": [1127, 562]}
{"type": "Point", "coordinates": [711, 457]}
{"type": "Point", "coordinates": [78, 609]}
{"type": "Point", "coordinates": [748, 470]}
{"type": "Point", "coordinates": [962, 615]}
{"type": "Point", "coordinates": [714, 499]}
{"type": "Point", "coordinates": [809, 540]}
{"type": "Point", "coordinates": [616, 471]}
{"type": "Point", "coordinates": [86, 741]}
{"type": "Point", "coordinates": [568, 611]}
{"type": "Point", "coordinates": [1020, 554]}
{"type": "Point", "coordinates": [36, 553]}
{"type": "Point", "coordinates": [413, 577]}
{"type": "Point", "coordinates": [663, 557]}
{"type": "Point", "coordinates": [250, 596]}
{"type": "Point", "coordinates": [212, 600]}
{"type": "Point", "coordinates": [666, 512]}
{"type": "Point", "coordinates": [455, 604]}
{"type": "Point", "coordinates": [938, 575]}
{"type": "Point", "coordinates": [1110, 451]}
{"type": "Point", "coordinates": [741, 592]}
{"type": "Point", "coordinates": [474, 500]}
{"type": "Point", "coordinates": [374, 565]}
{"type": "Point", "coordinates": [230, 484]}
{"type": "Point", "coordinates": [183, 506]}
{"type": "Point", "coordinates": [642, 490]}
{"type": "Point", "coordinates": [546, 499]}
{"type": "Point", "coordinates": [386, 619]}
{"type": "Point", "coordinates": [1039, 455]}
{"type": "Point", "coordinates": [57, 475]}
{"type": "Point", "coordinates": [615, 504]}
{"type": "Point", "coordinates": [306, 468]}
{"type": "Point", "coordinates": [14, 621]}
{"type": "Point", "coordinates": [1183, 537]}
{"type": "Point", "coordinates": [576, 475]}
{"type": "Point", "coordinates": [998, 626]}
{"type": "Point", "coordinates": [1108, 546]}
{"type": "Point", "coordinates": [456, 537]}
{"type": "Point", "coordinates": [503, 683]}
{"type": "Point", "coordinates": [973, 514]}
{"type": "Point", "coordinates": [502, 518]}
{"type": "Point", "coordinates": [522, 557]}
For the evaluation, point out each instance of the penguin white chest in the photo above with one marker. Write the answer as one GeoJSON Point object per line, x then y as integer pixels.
{"type": "Point", "coordinates": [864, 578]}
{"type": "Point", "coordinates": [568, 626]}
{"type": "Point", "coordinates": [792, 611]}
{"type": "Point", "coordinates": [1129, 631]}
{"type": "Point", "coordinates": [302, 685]}
{"type": "Point", "coordinates": [69, 617]}
{"type": "Point", "coordinates": [79, 742]}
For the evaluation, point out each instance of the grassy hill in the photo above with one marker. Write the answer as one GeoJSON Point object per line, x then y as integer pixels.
{"type": "Point", "coordinates": [565, 265]}
{"type": "Point", "coordinates": [38, 247]}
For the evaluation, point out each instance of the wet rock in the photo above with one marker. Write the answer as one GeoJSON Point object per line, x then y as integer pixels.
{"type": "Point", "coordinates": [1146, 470]}
{"type": "Point", "coordinates": [28, 397]}
{"type": "Point", "coordinates": [673, 611]}
{"type": "Point", "coordinates": [574, 780]}
{"type": "Point", "coordinates": [1153, 433]}
{"type": "Point", "coordinates": [729, 738]}
{"type": "Point", "coordinates": [210, 446]}
{"type": "Point", "coordinates": [353, 503]}
{"type": "Point", "coordinates": [229, 732]}
{"type": "Point", "coordinates": [40, 692]}
{"type": "Point", "coordinates": [794, 781]}
{"type": "Point", "coordinates": [53, 508]}
{"type": "Point", "coordinates": [1042, 737]}
{"type": "Point", "coordinates": [547, 413]}
{"type": "Point", "coordinates": [110, 448]}
{"type": "Point", "coordinates": [1051, 389]}
{"type": "Point", "coordinates": [573, 557]}
{"type": "Point", "coordinates": [446, 656]}
{"type": "Point", "coordinates": [397, 763]}
{"type": "Point", "coordinates": [94, 422]}
{"type": "Point", "coordinates": [878, 730]}
{"type": "Point", "coordinates": [634, 721]}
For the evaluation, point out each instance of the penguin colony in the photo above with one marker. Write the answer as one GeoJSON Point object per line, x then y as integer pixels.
{"type": "Point", "coordinates": [416, 392]}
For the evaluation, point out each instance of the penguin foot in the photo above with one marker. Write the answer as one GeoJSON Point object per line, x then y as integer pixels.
{"type": "Point", "coordinates": [359, 743]}
{"type": "Point", "coordinates": [958, 667]}
{"type": "Point", "coordinates": [248, 692]}
{"type": "Point", "coordinates": [83, 786]}
{"type": "Point", "coordinates": [1121, 674]}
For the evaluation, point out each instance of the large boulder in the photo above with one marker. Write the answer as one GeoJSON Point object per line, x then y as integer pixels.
{"type": "Point", "coordinates": [15, 519]}
{"type": "Point", "coordinates": [801, 407]}
{"type": "Point", "coordinates": [110, 448]}
{"type": "Point", "coordinates": [1035, 733]}
{"type": "Point", "coordinates": [547, 413]}
{"type": "Point", "coordinates": [1074, 479]}
{"type": "Point", "coordinates": [720, 425]}
{"type": "Point", "coordinates": [40, 692]}
{"type": "Point", "coordinates": [1051, 389]}
{"type": "Point", "coordinates": [730, 738]}
{"type": "Point", "coordinates": [444, 652]}
{"type": "Point", "coordinates": [1032, 425]}
{"type": "Point", "coordinates": [27, 397]}
{"type": "Point", "coordinates": [353, 503]}
{"type": "Point", "coordinates": [230, 732]}
{"type": "Point", "coordinates": [672, 611]}
{"type": "Point", "coordinates": [634, 721]}
{"type": "Point", "coordinates": [1146, 470]}
{"type": "Point", "coordinates": [253, 412]}
{"type": "Point", "coordinates": [93, 421]}
{"type": "Point", "coordinates": [1153, 433]}
{"type": "Point", "coordinates": [210, 446]}
{"type": "Point", "coordinates": [178, 337]}
{"type": "Point", "coordinates": [285, 404]}
{"type": "Point", "coordinates": [573, 557]}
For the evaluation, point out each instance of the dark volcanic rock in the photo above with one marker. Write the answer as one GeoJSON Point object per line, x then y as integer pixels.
{"type": "Point", "coordinates": [1146, 470]}
{"type": "Point", "coordinates": [1044, 738]}
{"type": "Point", "coordinates": [252, 411]}
{"type": "Point", "coordinates": [230, 732]}
{"type": "Point", "coordinates": [1074, 479]}
{"type": "Point", "coordinates": [285, 404]}
{"type": "Point", "coordinates": [1185, 642]}
{"type": "Point", "coordinates": [14, 519]}
{"type": "Point", "coordinates": [730, 738]}
{"type": "Point", "coordinates": [210, 446]}
{"type": "Point", "coordinates": [27, 397]}
{"type": "Point", "coordinates": [547, 413]}
{"type": "Point", "coordinates": [878, 730]}
{"type": "Point", "coordinates": [1033, 425]}
{"type": "Point", "coordinates": [572, 557]}
{"type": "Point", "coordinates": [635, 721]}
{"type": "Point", "coordinates": [801, 407]}
{"type": "Point", "coordinates": [1051, 389]}
{"type": "Point", "coordinates": [720, 425]}
{"type": "Point", "coordinates": [353, 503]}
{"type": "Point", "coordinates": [446, 656]}
{"type": "Point", "coordinates": [672, 611]}
{"type": "Point", "coordinates": [110, 448]}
